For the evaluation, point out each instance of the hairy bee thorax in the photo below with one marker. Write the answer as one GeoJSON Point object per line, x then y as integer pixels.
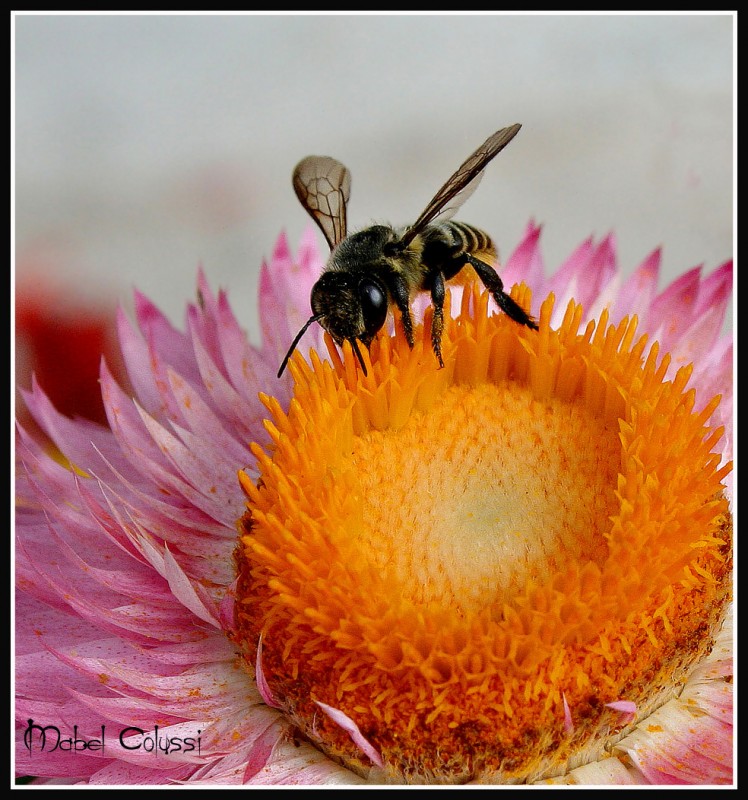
{"type": "Point", "coordinates": [363, 250]}
{"type": "Point", "coordinates": [379, 251]}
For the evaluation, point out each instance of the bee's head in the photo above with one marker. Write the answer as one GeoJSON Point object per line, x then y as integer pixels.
{"type": "Point", "coordinates": [349, 306]}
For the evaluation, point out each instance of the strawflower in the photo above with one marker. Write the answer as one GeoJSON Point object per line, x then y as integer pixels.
{"type": "Point", "coordinates": [515, 569]}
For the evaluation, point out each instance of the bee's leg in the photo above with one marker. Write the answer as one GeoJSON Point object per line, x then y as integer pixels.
{"type": "Point", "coordinates": [357, 352]}
{"type": "Point", "coordinates": [494, 284]}
{"type": "Point", "coordinates": [399, 290]}
{"type": "Point", "coordinates": [437, 321]}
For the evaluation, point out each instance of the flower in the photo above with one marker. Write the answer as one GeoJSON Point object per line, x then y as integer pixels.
{"type": "Point", "coordinates": [162, 648]}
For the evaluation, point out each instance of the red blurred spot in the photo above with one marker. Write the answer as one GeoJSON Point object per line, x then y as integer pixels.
{"type": "Point", "coordinates": [61, 341]}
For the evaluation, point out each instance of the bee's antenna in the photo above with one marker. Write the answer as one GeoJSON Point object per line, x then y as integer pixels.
{"type": "Point", "coordinates": [298, 336]}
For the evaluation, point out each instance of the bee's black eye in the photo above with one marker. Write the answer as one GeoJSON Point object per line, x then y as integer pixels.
{"type": "Point", "coordinates": [373, 306]}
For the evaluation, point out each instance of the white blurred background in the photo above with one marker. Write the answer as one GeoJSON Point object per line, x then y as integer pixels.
{"type": "Point", "coordinates": [147, 145]}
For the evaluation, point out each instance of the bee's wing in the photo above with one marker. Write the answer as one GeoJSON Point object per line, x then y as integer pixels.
{"type": "Point", "coordinates": [463, 183]}
{"type": "Point", "coordinates": [323, 185]}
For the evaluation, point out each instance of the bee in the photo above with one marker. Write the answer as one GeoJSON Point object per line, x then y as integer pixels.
{"type": "Point", "coordinates": [380, 267]}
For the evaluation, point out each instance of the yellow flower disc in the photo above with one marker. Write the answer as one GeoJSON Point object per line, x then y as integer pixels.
{"type": "Point", "coordinates": [470, 563]}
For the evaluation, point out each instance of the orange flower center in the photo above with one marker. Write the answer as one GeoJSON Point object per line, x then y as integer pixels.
{"type": "Point", "coordinates": [469, 563]}
{"type": "Point", "coordinates": [460, 520]}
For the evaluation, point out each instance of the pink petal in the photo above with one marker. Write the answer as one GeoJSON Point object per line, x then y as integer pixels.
{"type": "Point", "coordinates": [190, 476]}
{"type": "Point", "coordinates": [350, 727]}
{"type": "Point", "coordinates": [568, 723]}
{"type": "Point", "coordinates": [78, 439]}
{"type": "Point", "coordinates": [171, 345]}
{"type": "Point", "coordinates": [680, 744]}
{"type": "Point", "coordinates": [261, 750]}
{"type": "Point", "coordinates": [261, 681]}
{"type": "Point", "coordinates": [635, 296]}
{"type": "Point", "coordinates": [243, 416]}
{"type": "Point", "coordinates": [136, 353]}
{"type": "Point", "coordinates": [624, 706]}
{"type": "Point", "coordinates": [276, 331]}
{"type": "Point", "coordinates": [302, 765]}
{"type": "Point", "coordinates": [672, 310]}
{"type": "Point", "coordinates": [694, 345]}
{"type": "Point", "coordinates": [525, 264]}
{"type": "Point", "coordinates": [190, 594]}
{"type": "Point", "coordinates": [715, 289]}
{"type": "Point", "coordinates": [246, 367]}
{"type": "Point", "coordinates": [120, 773]}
